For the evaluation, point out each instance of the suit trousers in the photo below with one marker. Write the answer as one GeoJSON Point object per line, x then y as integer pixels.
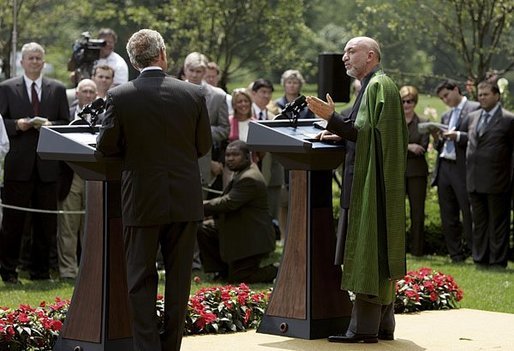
{"type": "Point", "coordinates": [141, 245]}
{"type": "Point", "coordinates": [245, 270]}
{"type": "Point", "coordinates": [491, 216]}
{"type": "Point", "coordinates": [36, 194]}
{"type": "Point", "coordinates": [70, 228]}
{"type": "Point", "coordinates": [416, 189]}
{"type": "Point", "coordinates": [453, 202]}
{"type": "Point", "coordinates": [368, 318]}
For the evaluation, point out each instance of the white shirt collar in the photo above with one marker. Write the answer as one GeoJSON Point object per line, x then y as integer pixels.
{"type": "Point", "coordinates": [460, 106]}
{"type": "Point", "coordinates": [151, 68]}
{"type": "Point", "coordinates": [492, 112]}
{"type": "Point", "coordinates": [28, 82]}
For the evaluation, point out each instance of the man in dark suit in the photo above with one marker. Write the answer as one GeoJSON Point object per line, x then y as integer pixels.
{"type": "Point", "coordinates": [489, 179]}
{"type": "Point", "coordinates": [29, 181]}
{"type": "Point", "coordinates": [450, 170]}
{"type": "Point", "coordinates": [159, 126]}
{"type": "Point", "coordinates": [243, 233]}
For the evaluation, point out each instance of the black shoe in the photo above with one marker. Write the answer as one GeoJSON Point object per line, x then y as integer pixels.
{"type": "Point", "coordinates": [385, 335]}
{"type": "Point", "coordinates": [356, 338]}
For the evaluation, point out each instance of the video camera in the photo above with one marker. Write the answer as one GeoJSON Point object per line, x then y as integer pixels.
{"type": "Point", "coordinates": [85, 52]}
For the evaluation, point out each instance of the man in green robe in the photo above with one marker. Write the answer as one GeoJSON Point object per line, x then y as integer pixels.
{"type": "Point", "coordinates": [373, 197]}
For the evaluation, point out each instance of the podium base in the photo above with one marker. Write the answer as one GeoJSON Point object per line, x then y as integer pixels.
{"type": "Point", "coordinates": [124, 344]}
{"type": "Point", "coordinates": [303, 328]}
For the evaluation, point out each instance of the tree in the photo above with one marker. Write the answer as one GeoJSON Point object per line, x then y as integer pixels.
{"type": "Point", "coordinates": [474, 34]}
{"type": "Point", "coordinates": [237, 34]}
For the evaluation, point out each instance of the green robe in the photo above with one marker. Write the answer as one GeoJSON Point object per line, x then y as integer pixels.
{"type": "Point", "coordinates": [375, 243]}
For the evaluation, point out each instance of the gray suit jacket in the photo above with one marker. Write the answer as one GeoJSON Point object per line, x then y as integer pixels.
{"type": "Point", "coordinates": [489, 156]}
{"type": "Point", "coordinates": [159, 126]}
{"type": "Point", "coordinates": [460, 147]}
{"type": "Point", "coordinates": [216, 102]}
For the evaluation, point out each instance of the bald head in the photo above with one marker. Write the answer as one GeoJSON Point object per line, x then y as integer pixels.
{"type": "Point", "coordinates": [361, 55]}
{"type": "Point", "coordinates": [370, 44]}
{"type": "Point", "coordinates": [86, 92]}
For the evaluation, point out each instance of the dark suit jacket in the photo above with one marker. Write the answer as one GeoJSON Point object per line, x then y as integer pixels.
{"type": "Point", "coordinates": [417, 164]}
{"type": "Point", "coordinates": [242, 216]}
{"type": "Point", "coordinates": [159, 126]}
{"type": "Point", "coordinates": [460, 146]}
{"type": "Point", "coordinates": [489, 157]}
{"type": "Point", "coordinates": [22, 160]}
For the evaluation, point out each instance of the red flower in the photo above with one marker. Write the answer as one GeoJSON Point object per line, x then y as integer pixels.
{"type": "Point", "coordinates": [23, 318]}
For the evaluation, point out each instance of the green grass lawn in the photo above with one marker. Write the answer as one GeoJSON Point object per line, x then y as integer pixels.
{"type": "Point", "coordinates": [489, 290]}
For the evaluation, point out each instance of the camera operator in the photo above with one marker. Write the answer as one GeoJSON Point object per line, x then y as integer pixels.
{"type": "Point", "coordinates": [109, 57]}
{"type": "Point", "coordinates": [86, 52]}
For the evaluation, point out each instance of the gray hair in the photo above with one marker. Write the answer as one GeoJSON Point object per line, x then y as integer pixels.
{"type": "Point", "coordinates": [292, 74]}
{"type": "Point", "coordinates": [195, 60]}
{"type": "Point", "coordinates": [144, 47]}
{"type": "Point", "coordinates": [32, 47]}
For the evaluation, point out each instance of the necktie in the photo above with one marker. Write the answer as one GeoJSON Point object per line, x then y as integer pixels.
{"type": "Point", "coordinates": [260, 115]}
{"type": "Point", "coordinates": [483, 123]}
{"type": "Point", "coordinates": [35, 100]}
{"type": "Point", "coordinates": [449, 146]}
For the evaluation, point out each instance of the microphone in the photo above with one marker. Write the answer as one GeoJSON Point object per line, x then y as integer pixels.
{"type": "Point", "coordinates": [294, 108]}
{"type": "Point", "coordinates": [93, 109]}
{"type": "Point", "coordinates": [296, 105]}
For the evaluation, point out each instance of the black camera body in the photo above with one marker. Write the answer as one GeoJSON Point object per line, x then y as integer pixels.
{"type": "Point", "coordinates": [85, 52]}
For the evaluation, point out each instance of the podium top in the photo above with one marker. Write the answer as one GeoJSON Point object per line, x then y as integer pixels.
{"type": "Point", "coordinates": [280, 136]}
{"type": "Point", "coordinates": [68, 143]}
{"type": "Point", "coordinates": [77, 146]}
{"type": "Point", "coordinates": [295, 147]}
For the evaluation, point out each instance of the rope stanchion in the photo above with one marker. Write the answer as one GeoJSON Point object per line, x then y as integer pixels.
{"type": "Point", "coordinates": [41, 211]}
{"type": "Point", "coordinates": [219, 192]}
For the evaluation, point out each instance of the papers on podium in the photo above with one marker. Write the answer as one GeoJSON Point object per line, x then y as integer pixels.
{"type": "Point", "coordinates": [429, 127]}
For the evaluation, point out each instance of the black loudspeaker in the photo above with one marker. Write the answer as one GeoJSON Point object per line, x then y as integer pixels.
{"type": "Point", "coordinates": [332, 77]}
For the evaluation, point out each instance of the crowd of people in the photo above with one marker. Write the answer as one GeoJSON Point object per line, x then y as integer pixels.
{"type": "Point", "coordinates": [473, 173]}
{"type": "Point", "coordinates": [245, 194]}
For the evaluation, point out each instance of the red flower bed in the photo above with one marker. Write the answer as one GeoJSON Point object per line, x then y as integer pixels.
{"type": "Point", "coordinates": [426, 289]}
{"type": "Point", "coordinates": [211, 310]}
{"type": "Point", "coordinates": [219, 309]}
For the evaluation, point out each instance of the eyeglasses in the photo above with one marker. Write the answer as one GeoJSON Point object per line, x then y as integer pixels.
{"type": "Point", "coordinates": [408, 101]}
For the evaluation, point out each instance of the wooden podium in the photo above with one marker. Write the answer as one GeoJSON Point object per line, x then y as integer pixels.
{"type": "Point", "coordinates": [98, 318]}
{"type": "Point", "coordinates": [307, 301]}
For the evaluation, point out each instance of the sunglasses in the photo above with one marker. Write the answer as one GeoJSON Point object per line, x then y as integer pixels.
{"type": "Point", "coordinates": [408, 101]}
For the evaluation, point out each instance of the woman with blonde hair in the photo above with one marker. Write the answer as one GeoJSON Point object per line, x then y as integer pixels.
{"type": "Point", "coordinates": [417, 169]}
{"type": "Point", "coordinates": [240, 119]}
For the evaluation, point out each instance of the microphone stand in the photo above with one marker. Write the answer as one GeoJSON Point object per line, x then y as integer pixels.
{"type": "Point", "coordinates": [92, 111]}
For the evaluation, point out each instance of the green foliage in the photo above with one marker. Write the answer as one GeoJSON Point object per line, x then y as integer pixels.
{"type": "Point", "coordinates": [253, 34]}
